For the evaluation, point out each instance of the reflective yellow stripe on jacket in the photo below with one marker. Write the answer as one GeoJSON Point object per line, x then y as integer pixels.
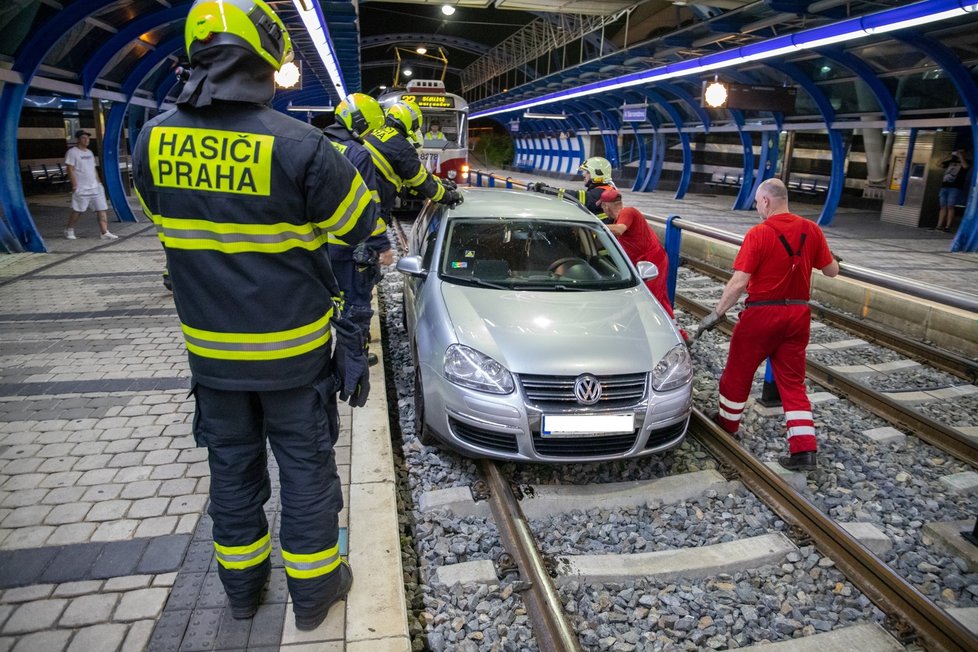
{"type": "Point", "coordinates": [383, 166]}
{"type": "Point", "coordinates": [380, 228]}
{"type": "Point", "coordinates": [258, 346]}
{"type": "Point", "coordinates": [236, 238]}
{"type": "Point", "coordinates": [315, 564]}
{"type": "Point", "coordinates": [241, 557]}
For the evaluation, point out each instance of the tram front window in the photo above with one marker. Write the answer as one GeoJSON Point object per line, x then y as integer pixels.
{"type": "Point", "coordinates": [447, 123]}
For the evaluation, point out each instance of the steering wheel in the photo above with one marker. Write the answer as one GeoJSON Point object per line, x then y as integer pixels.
{"type": "Point", "coordinates": [570, 261]}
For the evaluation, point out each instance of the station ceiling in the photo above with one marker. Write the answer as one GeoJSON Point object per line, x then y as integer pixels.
{"type": "Point", "coordinates": [496, 51]}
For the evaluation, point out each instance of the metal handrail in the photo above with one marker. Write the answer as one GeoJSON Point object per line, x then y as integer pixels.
{"type": "Point", "coordinates": [935, 293]}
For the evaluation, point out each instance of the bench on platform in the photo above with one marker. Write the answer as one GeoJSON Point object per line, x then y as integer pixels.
{"type": "Point", "coordinates": [807, 186]}
{"type": "Point", "coordinates": [46, 175]}
{"type": "Point", "coordinates": [725, 180]}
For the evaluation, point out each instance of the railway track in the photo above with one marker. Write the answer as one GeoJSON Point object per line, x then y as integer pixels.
{"type": "Point", "coordinates": [525, 555]}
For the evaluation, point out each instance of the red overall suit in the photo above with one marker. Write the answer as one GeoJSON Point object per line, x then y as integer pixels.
{"type": "Point", "coordinates": [640, 243]}
{"type": "Point", "coordinates": [779, 254]}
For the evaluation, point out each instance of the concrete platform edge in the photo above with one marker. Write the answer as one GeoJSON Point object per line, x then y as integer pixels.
{"type": "Point", "coordinates": [376, 609]}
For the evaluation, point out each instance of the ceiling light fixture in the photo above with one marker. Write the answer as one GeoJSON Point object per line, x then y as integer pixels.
{"type": "Point", "coordinates": [312, 17]}
{"type": "Point", "coordinates": [544, 116]}
{"type": "Point", "coordinates": [422, 50]}
{"type": "Point", "coordinates": [448, 10]}
{"type": "Point", "coordinates": [919, 13]}
{"type": "Point", "coordinates": [310, 109]}
{"type": "Point", "coordinates": [715, 94]}
{"type": "Point", "coordinates": [288, 76]}
{"type": "Point", "coordinates": [407, 72]}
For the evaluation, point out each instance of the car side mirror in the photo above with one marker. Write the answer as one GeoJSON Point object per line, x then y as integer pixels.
{"type": "Point", "coordinates": [647, 271]}
{"type": "Point", "coordinates": [411, 266]}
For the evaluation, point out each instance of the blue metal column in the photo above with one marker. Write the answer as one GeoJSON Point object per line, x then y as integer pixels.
{"type": "Point", "coordinates": [674, 241]}
{"type": "Point", "coordinates": [27, 60]}
{"type": "Point", "coordinates": [838, 179]}
{"type": "Point", "coordinates": [770, 149]}
{"type": "Point", "coordinates": [677, 119]}
{"type": "Point", "coordinates": [744, 196]}
{"type": "Point", "coordinates": [115, 123]}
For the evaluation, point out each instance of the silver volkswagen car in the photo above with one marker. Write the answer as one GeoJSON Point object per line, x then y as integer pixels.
{"type": "Point", "coordinates": [534, 338]}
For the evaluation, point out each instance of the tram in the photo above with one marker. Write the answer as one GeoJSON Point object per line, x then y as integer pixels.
{"type": "Point", "coordinates": [445, 157]}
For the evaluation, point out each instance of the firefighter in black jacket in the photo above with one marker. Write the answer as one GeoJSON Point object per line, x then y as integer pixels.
{"type": "Point", "coordinates": [398, 163]}
{"type": "Point", "coordinates": [357, 269]}
{"type": "Point", "coordinates": [242, 197]}
{"type": "Point", "coordinates": [597, 179]}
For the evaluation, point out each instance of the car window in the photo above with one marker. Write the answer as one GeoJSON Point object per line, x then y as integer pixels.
{"type": "Point", "coordinates": [533, 254]}
{"type": "Point", "coordinates": [427, 234]}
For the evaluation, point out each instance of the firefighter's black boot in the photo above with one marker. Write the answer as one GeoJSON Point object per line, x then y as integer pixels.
{"type": "Point", "coordinates": [314, 618]}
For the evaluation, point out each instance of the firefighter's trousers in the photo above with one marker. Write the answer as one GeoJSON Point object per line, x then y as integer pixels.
{"type": "Point", "coordinates": [300, 424]}
{"type": "Point", "coordinates": [780, 333]}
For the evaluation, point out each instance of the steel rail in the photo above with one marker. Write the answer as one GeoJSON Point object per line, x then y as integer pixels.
{"type": "Point", "coordinates": [951, 441]}
{"type": "Point", "coordinates": [953, 363]}
{"type": "Point", "coordinates": [550, 628]}
{"type": "Point", "coordinates": [894, 595]}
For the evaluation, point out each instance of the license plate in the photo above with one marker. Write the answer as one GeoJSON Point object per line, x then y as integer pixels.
{"type": "Point", "coordinates": [575, 425]}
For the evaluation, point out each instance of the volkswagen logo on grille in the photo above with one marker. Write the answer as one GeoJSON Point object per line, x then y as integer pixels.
{"type": "Point", "coordinates": [587, 389]}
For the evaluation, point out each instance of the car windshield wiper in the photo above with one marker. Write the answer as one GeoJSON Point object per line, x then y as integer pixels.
{"type": "Point", "coordinates": [471, 280]}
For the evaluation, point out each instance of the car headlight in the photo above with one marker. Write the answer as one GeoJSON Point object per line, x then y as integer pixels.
{"type": "Point", "coordinates": [469, 368]}
{"type": "Point", "coordinates": [452, 174]}
{"type": "Point", "coordinates": [674, 369]}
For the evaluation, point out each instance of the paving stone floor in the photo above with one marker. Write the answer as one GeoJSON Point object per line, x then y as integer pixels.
{"type": "Point", "coordinates": [104, 538]}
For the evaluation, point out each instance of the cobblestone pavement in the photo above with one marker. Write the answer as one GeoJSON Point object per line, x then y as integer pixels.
{"type": "Point", "coordinates": [104, 544]}
{"type": "Point", "coordinates": [101, 486]}
{"type": "Point", "coordinates": [104, 539]}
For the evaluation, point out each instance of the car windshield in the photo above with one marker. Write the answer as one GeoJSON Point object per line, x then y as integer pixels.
{"type": "Point", "coordinates": [533, 254]}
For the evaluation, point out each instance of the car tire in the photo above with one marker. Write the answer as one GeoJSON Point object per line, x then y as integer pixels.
{"type": "Point", "coordinates": [420, 427]}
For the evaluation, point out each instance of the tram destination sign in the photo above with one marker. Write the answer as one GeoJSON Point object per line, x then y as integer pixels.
{"type": "Point", "coordinates": [432, 101]}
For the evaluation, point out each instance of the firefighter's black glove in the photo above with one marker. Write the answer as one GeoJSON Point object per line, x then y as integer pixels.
{"type": "Point", "coordinates": [350, 362]}
{"type": "Point", "coordinates": [452, 198]}
{"type": "Point", "coordinates": [536, 186]}
{"type": "Point", "coordinates": [708, 323]}
{"type": "Point", "coordinates": [449, 184]}
{"type": "Point", "coordinates": [837, 257]}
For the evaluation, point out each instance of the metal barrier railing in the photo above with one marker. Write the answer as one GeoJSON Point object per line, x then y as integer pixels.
{"type": "Point", "coordinates": [674, 226]}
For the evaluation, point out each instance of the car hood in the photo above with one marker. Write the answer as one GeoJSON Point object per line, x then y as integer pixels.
{"type": "Point", "coordinates": [565, 333]}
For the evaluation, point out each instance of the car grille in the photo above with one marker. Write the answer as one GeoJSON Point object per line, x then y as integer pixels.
{"type": "Point", "coordinates": [582, 446]}
{"type": "Point", "coordinates": [665, 435]}
{"type": "Point", "coordinates": [499, 441]}
{"type": "Point", "coordinates": [557, 392]}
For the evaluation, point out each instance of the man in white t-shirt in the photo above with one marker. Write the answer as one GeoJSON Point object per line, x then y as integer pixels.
{"type": "Point", "coordinates": [86, 189]}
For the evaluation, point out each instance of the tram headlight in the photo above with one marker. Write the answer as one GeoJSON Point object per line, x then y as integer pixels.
{"type": "Point", "coordinates": [465, 170]}
{"type": "Point", "coordinates": [452, 174]}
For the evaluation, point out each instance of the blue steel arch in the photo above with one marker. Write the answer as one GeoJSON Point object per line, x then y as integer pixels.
{"type": "Point", "coordinates": [677, 119]}
{"type": "Point", "coordinates": [883, 95]}
{"type": "Point", "coordinates": [967, 236]}
{"type": "Point", "coordinates": [115, 123]}
{"type": "Point", "coordinates": [837, 179]}
{"type": "Point", "coordinates": [131, 32]}
{"type": "Point", "coordinates": [28, 59]}
{"type": "Point", "coordinates": [163, 89]}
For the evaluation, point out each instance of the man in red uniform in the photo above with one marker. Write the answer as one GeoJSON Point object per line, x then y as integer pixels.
{"type": "Point", "coordinates": [639, 242]}
{"type": "Point", "coordinates": [774, 266]}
